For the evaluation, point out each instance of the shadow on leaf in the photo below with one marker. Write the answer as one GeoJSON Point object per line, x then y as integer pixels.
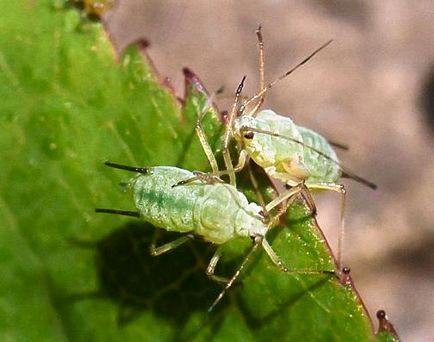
{"type": "Point", "coordinates": [172, 285]}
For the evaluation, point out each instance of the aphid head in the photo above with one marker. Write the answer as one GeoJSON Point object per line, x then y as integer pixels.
{"type": "Point", "coordinates": [241, 130]}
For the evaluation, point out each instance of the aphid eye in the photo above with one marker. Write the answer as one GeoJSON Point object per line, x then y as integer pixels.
{"type": "Point", "coordinates": [249, 135]}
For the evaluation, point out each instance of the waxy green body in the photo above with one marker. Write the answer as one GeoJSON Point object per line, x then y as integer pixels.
{"type": "Point", "coordinates": [285, 159]}
{"type": "Point", "coordinates": [217, 212]}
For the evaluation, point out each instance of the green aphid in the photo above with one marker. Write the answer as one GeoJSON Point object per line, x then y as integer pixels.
{"type": "Point", "coordinates": [292, 154]}
{"type": "Point", "coordinates": [217, 212]}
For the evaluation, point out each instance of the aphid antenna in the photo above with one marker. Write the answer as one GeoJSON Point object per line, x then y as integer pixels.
{"type": "Point", "coordinates": [143, 170]}
{"type": "Point", "coordinates": [117, 212]}
{"type": "Point", "coordinates": [228, 135]}
{"type": "Point", "coordinates": [261, 64]}
{"type": "Point", "coordinates": [346, 173]}
{"type": "Point", "coordinates": [260, 94]}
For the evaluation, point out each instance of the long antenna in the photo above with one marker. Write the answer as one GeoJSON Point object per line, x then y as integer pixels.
{"type": "Point", "coordinates": [281, 77]}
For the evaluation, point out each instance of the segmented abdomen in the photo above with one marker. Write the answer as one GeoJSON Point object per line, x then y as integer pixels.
{"type": "Point", "coordinates": [267, 150]}
{"type": "Point", "coordinates": [320, 168]}
{"type": "Point", "coordinates": [206, 210]}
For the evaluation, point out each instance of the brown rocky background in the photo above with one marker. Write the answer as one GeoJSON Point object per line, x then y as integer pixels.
{"type": "Point", "coordinates": [373, 89]}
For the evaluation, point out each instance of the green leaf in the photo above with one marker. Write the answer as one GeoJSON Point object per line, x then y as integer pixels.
{"type": "Point", "coordinates": [67, 106]}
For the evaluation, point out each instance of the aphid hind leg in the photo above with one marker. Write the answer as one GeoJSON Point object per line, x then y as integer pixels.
{"type": "Point", "coordinates": [278, 262]}
{"type": "Point", "coordinates": [212, 265]}
{"type": "Point", "coordinates": [154, 250]}
{"type": "Point", "coordinates": [288, 196]}
{"type": "Point", "coordinates": [341, 189]}
{"type": "Point", "coordinates": [307, 195]}
{"type": "Point", "coordinates": [257, 243]}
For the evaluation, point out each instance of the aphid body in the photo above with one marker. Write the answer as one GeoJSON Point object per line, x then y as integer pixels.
{"type": "Point", "coordinates": [278, 145]}
{"type": "Point", "coordinates": [293, 154]}
{"type": "Point", "coordinates": [217, 212]}
{"type": "Point", "coordinates": [206, 207]}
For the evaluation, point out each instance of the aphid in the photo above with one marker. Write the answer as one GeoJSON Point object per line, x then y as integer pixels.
{"type": "Point", "coordinates": [215, 211]}
{"type": "Point", "coordinates": [287, 152]}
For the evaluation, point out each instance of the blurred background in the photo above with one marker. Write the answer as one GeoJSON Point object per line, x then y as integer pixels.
{"type": "Point", "coordinates": [372, 89]}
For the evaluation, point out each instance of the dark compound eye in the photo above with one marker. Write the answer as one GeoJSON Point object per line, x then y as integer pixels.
{"type": "Point", "coordinates": [249, 135]}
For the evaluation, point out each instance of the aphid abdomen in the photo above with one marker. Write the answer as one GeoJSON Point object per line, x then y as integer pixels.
{"type": "Point", "coordinates": [280, 157]}
{"type": "Point", "coordinates": [217, 212]}
{"type": "Point", "coordinates": [160, 204]}
{"type": "Point", "coordinates": [321, 169]}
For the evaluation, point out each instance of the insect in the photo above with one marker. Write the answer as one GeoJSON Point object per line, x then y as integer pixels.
{"type": "Point", "coordinates": [215, 211]}
{"type": "Point", "coordinates": [292, 154]}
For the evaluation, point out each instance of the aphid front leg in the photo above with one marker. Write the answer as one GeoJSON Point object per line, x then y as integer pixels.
{"type": "Point", "coordinates": [228, 134]}
{"type": "Point", "coordinates": [204, 142]}
{"type": "Point", "coordinates": [154, 250]}
{"type": "Point", "coordinates": [205, 178]}
{"type": "Point", "coordinates": [341, 189]}
{"type": "Point", "coordinates": [212, 265]}
{"type": "Point", "coordinates": [255, 184]}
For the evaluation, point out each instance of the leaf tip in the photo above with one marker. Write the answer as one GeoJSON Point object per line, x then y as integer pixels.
{"type": "Point", "coordinates": [384, 325]}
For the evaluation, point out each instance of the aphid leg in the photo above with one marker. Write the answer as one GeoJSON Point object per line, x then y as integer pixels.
{"type": "Point", "coordinates": [288, 194]}
{"type": "Point", "coordinates": [341, 189]}
{"type": "Point", "coordinates": [242, 160]}
{"type": "Point", "coordinates": [204, 142]}
{"type": "Point", "coordinates": [276, 260]}
{"type": "Point", "coordinates": [118, 212]}
{"type": "Point", "coordinates": [212, 265]}
{"type": "Point", "coordinates": [307, 195]}
{"type": "Point", "coordinates": [255, 184]}
{"type": "Point", "coordinates": [214, 177]}
{"type": "Point", "coordinates": [273, 256]}
{"type": "Point", "coordinates": [257, 243]}
{"type": "Point", "coordinates": [228, 134]}
{"type": "Point", "coordinates": [154, 250]}
{"type": "Point", "coordinates": [205, 178]}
